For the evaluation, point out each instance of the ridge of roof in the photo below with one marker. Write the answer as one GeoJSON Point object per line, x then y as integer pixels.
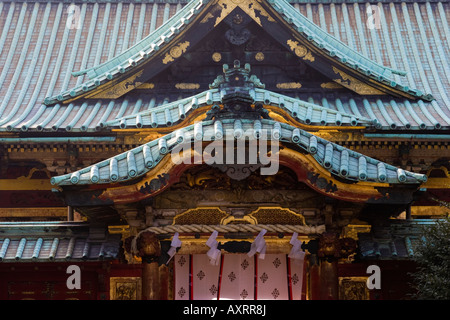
{"type": "Point", "coordinates": [338, 160]}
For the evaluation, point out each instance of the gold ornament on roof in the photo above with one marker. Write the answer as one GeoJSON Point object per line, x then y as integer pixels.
{"type": "Point", "coordinates": [259, 56]}
{"type": "Point", "coordinates": [175, 52]}
{"type": "Point", "coordinates": [300, 50]}
{"type": "Point", "coordinates": [355, 84]}
{"type": "Point", "coordinates": [216, 56]}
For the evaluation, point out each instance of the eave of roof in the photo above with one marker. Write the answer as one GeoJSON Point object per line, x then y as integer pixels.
{"type": "Point", "coordinates": [56, 241]}
{"type": "Point", "coordinates": [303, 111]}
{"type": "Point", "coordinates": [340, 161]}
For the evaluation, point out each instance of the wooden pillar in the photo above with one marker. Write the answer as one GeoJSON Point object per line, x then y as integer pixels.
{"type": "Point", "coordinates": [149, 249]}
{"type": "Point", "coordinates": [331, 249]}
{"type": "Point", "coordinates": [314, 280]}
{"type": "Point", "coordinates": [329, 283]}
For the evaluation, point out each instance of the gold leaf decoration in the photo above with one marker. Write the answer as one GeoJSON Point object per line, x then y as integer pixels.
{"type": "Point", "coordinates": [175, 52]}
{"type": "Point", "coordinates": [248, 6]}
{"type": "Point", "coordinates": [187, 86]}
{"type": "Point", "coordinates": [289, 85]}
{"type": "Point", "coordinates": [300, 50]}
{"type": "Point", "coordinates": [121, 88]}
{"type": "Point", "coordinates": [330, 85]}
{"type": "Point", "coordinates": [354, 84]}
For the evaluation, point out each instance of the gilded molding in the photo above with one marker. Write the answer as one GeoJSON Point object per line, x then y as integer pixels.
{"type": "Point", "coordinates": [120, 88]}
{"type": "Point", "coordinates": [125, 288]}
{"type": "Point", "coordinates": [330, 85]}
{"type": "Point", "coordinates": [300, 50]}
{"type": "Point", "coordinates": [187, 86]}
{"type": "Point", "coordinates": [353, 288]}
{"type": "Point", "coordinates": [146, 86]}
{"type": "Point", "coordinates": [289, 85]}
{"type": "Point", "coordinates": [201, 215]}
{"type": "Point", "coordinates": [175, 52]}
{"type": "Point", "coordinates": [248, 6]}
{"type": "Point", "coordinates": [277, 215]}
{"type": "Point", "coordinates": [354, 84]}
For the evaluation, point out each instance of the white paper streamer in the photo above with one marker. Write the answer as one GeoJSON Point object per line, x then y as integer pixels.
{"type": "Point", "coordinates": [258, 245]}
{"type": "Point", "coordinates": [296, 251]}
{"type": "Point", "coordinates": [213, 253]}
{"type": "Point", "coordinates": [176, 243]}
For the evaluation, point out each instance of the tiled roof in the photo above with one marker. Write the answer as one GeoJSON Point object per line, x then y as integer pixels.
{"type": "Point", "coordinates": [37, 59]}
{"type": "Point", "coordinates": [55, 241]}
{"type": "Point", "coordinates": [147, 47]}
{"type": "Point", "coordinates": [395, 240]}
{"type": "Point", "coordinates": [345, 163]}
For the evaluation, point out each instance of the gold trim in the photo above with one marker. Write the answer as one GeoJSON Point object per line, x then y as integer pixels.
{"type": "Point", "coordinates": [285, 210]}
{"type": "Point", "coordinates": [120, 88]}
{"type": "Point", "coordinates": [197, 219]}
{"type": "Point", "coordinates": [354, 84]}
{"type": "Point", "coordinates": [248, 6]}
{"type": "Point", "coordinates": [244, 219]}
{"type": "Point", "coordinates": [146, 86]}
{"type": "Point", "coordinates": [122, 229]}
{"type": "Point", "coordinates": [187, 86]}
{"type": "Point", "coordinates": [131, 288]}
{"type": "Point", "coordinates": [353, 288]}
{"type": "Point", "coordinates": [259, 56]}
{"type": "Point", "coordinates": [175, 52]}
{"type": "Point", "coordinates": [216, 57]}
{"type": "Point", "coordinates": [34, 212]}
{"type": "Point", "coordinates": [289, 85]}
{"type": "Point", "coordinates": [331, 85]}
{"type": "Point", "coordinates": [300, 50]}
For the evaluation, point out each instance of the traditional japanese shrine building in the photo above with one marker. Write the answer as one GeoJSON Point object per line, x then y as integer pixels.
{"type": "Point", "coordinates": [239, 128]}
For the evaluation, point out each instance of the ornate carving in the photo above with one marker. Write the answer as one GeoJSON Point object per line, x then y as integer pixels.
{"type": "Point", "coordinates": [238, 37]}
{"type": "Point", "coordinates": [330, 246]}
{"type": "Point", "coordinates": [277, 215]}
{"type": "Point", "coordinates": [147, 245]}
{"type": "Point", "coordinates": [237, 171]}
{"type": "Point", "coordinates": [300, 50]}
{"type": "Point", "coordinates": [248, 6]}
{"type": "Point", "coordinates": [206, 215]}
{"type": "Point", "coordinates": [176, 52]}
{"type": "Point", "coordinates": [125, 288]}
{"type": "Point", "coordinates": [353, 288]}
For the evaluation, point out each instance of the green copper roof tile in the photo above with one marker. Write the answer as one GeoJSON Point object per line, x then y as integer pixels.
{"type": "Point", "coordinates": [338, 160]}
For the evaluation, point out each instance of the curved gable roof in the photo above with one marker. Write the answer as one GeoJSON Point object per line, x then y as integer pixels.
{"type": "Point", "coordinates": [325, 44]}
{"type": "Point", "coordinates": [338, 160]}
{"type": "Point", "coordinates": [38, 56]}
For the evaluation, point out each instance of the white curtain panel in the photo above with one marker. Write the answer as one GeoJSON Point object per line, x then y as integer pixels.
{"type": "Point", "coordinates": [296, 269]}
{"type": "Point", "coordinates": [238, 277]}
{"type": "Point", "coordinates": [181, 275]}
{"type": "Point", "coordinates": [272, 280]}
{"type": "Point", "coordinates": [205, 278]}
